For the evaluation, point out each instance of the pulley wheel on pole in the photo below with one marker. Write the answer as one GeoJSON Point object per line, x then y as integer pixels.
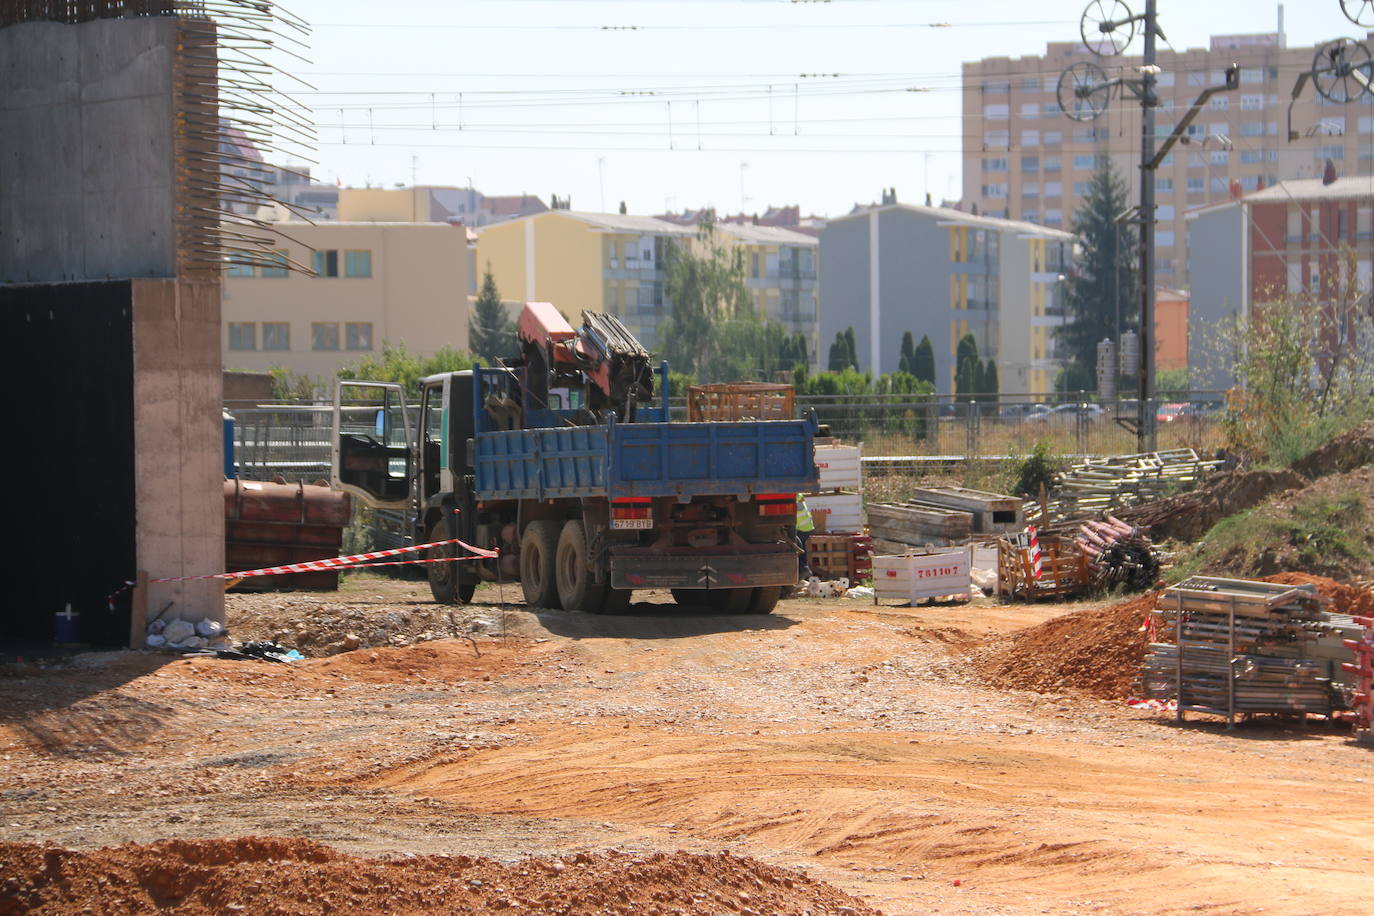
{"type": "Point", "coordinates": [1084, 91]}
{"type": "Point", "coordinates": [1360, 12]}
{"type": "Point", "coordinates": [1342, 70]}
{"type": "Point", "coordinates": [1107, 27]}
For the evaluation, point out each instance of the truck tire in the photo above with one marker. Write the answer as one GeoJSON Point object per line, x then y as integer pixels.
{"type": "Point", "coordinates": [538, 552]}
{"type": "Point", "coordinates": [765, 598]}
{"type": "Point", "coordinates": [733, 600]}
{"type": "Point", "coordinates": [617, 601]}
{"type": "Point", "coordinates": [572, 571]}
{"type": "Point", "coordinates": [450, 583]}
{"type": "Point", "coordinates": [690, 597]}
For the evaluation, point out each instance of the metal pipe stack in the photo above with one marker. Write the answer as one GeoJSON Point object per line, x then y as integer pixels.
{"type": "Point", "coordinates": [1233, 646]}
{"type": "Point", "coordinates": [1118, 554]}
{"type": "Point", "coordinates": [1103, 484]}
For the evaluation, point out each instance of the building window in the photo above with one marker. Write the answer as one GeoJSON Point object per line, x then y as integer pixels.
{"type": "Point", "coordinates": [358, 335]}
{"type": "Point", "coordinates": [1362, 222]}
{"type": "Point", "coordinates": [1053, 189]}
{"type": "Point", "coordinates": [1197, 185]}
{"type": "Point", "coordinates": [1051, 164]}
{"type": "Point", "coordinates": [1054, 137]}
{"type": "Point", "coordinates": [1252, 129]}
{"type": "Point", "coordinates": [1030, 163]}
{"type": "Point", "coordinates": [1082, 162]}
{"type": "Point", "coordinates": [1030, 84]}
{"type": "Point", "coordinates": [240, 268]}
{"type": "Point", "coordinates": [1030, 111]}
{"type": "Point", "coordinates": [1164, 212]}
{"type": "Point", "coordinates": [1220, 156]}
{"type": "Point", "coordinates": [997, 88]}
{"type": "Point", "coordinates": [1164, 238]}
{"type": "Point", "coordinates": [1164, 185]}
{"type": "Point", "coordinates": [1166, 79]}
{"type": "Point", "coordinates": [1080, 188]}
{"type": "Point", "coordinates": [1251, 156]}
{"type": "Point", "coordinates": [324, 335]}
{"type": "Point", "coordinates": [243, 335]}
{"type": "Point", "coordinates": [1054, 217]}
{"type": "Point", "coordinates": [1030, 189]}
{"type": "Point", "coordinates": [1251, 75]}
{"type": "Point", "coordinates": [1336, 153]}
{"type": "Point", "coordinates": [358, 263]}
{"type": "Point", "coordinates": [995, 165]}
{"type": "Point", "coordinates": [276, 335]}
{"type": "Point", "coordinates": [278, 268]}
{"type": "Point", "coordinates": [995, 112]}
{"type": "Point", "coordinates": [1220, 103]}
{"type": "Point", "coordinates": [994, 190]}
{"type": "Point", "coordinates": [1252, 103]}
{"type": "Point", "coordinates": [997, 139]}
{"type": "Point", "coordinates": [1030, 138]}
{"type": "Point", "coordinates": [326, 263]}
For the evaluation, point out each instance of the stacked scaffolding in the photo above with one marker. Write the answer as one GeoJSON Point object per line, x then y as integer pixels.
{"type": "Point", "coordinates": [1232, 647]}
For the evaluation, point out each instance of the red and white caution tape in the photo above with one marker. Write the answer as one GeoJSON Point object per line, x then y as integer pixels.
{"type": "Point", "coordinates": [355, 561]}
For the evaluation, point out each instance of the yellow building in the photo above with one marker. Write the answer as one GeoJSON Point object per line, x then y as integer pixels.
{"type": "Point", "coordinates": [600, 262]}
{"type": "Point", "coordinates": [614, 263]}
{"type": "Point", "coordinates": [376, 283]}
{"type": "Point", "coordinates": [781, 268]}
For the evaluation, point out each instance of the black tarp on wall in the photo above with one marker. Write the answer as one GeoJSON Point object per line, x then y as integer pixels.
{"type": "Point", "coordinates": [68, 500]}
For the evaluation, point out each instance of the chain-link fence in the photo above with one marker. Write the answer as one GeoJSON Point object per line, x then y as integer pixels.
{"type": "Point", "coordinates": [292, 441]}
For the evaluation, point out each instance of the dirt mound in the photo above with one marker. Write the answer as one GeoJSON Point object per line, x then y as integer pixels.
{"type": "Point", "coordinates": [269, 875]}
{"type": "Point", "coordinates": [1097, 651]}
{"type": "Point", "coordinates": [1348, 451]}
{"type": "Point", "coordinates": [1322, 529]}
{"type": "Point", "coordinates": [1345, 599]}
{"type": "Point", "coordinates": [1188, 516]}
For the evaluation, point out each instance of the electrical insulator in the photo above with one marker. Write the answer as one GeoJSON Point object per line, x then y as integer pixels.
{"type": "Point", "coordinates": [1130, 354]}
{"type": "Point", "coordinates": [1106, 370]}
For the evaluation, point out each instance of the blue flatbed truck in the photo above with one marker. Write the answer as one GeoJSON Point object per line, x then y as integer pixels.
{"type": "Point", "coordinates": [584, 506]}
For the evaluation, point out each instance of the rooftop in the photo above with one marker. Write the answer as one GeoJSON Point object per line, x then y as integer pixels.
{"type": "Point", "coordinates": [948, 214]}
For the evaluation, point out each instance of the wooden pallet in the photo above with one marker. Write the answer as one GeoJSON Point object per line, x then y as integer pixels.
{"type": "Point", "coordinates": [739, 401]}
{"type": "Point", "coordinates": [1064, 570]}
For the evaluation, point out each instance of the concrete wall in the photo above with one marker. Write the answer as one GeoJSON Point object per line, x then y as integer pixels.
{"type": "Point", "coordinates": [87, 184]}
{"type": "Point", "coordinates": [844, 285]}
{"type": "Point", "coordinates": [417, 295]}
{"type": "Point", "coordinates": [178, 443]}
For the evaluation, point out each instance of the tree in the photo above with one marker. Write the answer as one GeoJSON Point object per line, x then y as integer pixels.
{"type": "Point", "coordinates": [967, 369]}
{"type": "Point", "coordinates": [491, 332]}
{"type": "Point", "coordinates": [399, 364]}
{"type": "Point", "coordinates": [990, 381]}
{"type": "Point", "coordinates": [843, 352]}
{"type": "Point", "coordinates": [923, 361]}
{"type": "Point", "coordinates": [708, 289]}
{"type": "Point", "coordinates": [908, 354]}
{"type": "Point", "coordinates": [1103, 282]}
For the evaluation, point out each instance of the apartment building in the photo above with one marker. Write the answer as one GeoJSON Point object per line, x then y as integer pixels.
{"type": "Point", "coordinates": [944, 273]}
{"type": "Point", "coordinates": [781, 268]}
{"type": "Point", "coordinates": [433, 204]}
{"type": "Point", "coordinates": [1312, 236]}
{"type": "Point", "coordinates": [615, 263]}
{"type": "Point", "coordinates": [1023, 159]}
{"type": "Point", "coordinates": [375, 283]}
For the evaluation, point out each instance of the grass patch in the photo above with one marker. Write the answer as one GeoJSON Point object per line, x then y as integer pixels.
{"type": "Point", "coordinates": [1314, 531]}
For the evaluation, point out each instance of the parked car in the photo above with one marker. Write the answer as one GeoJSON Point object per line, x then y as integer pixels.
{"type": "Point", "coordinates": [1168, 413]}
{"type": "Point", "coordinates": [1039, 413]}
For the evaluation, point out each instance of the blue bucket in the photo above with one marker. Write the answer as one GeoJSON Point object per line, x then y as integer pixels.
{"type": "Point", "coordinates": [65, 625]}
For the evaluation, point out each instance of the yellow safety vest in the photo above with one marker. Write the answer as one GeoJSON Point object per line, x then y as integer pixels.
{"type": "Point", "coordinates": [804, 522]}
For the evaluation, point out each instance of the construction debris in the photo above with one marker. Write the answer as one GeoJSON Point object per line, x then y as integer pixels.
{"type": "Point", "coordinates": [1055, 568]}
{"type": "Point", "coordinates": [1098, 485]}
{"type": "Point", "coordinates": [1232, 647]}
{"type": "Point", "coordinates": [990, 513]}
{"type": "Point", "coordinates": [1118, 554]}
{"type": "Point", "coordinates": [835, 556]}
{"type": "Point", "coordinates": [918, 525]}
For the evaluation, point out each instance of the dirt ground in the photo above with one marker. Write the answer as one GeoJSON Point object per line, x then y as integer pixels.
{"type": "Point", "coordinates": [860, 744]}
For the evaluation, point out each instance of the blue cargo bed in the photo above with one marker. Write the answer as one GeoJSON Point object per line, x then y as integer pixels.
{"type": "Point", "coordinates": [647, 459]}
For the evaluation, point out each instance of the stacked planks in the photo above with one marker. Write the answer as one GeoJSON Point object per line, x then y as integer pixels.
{"type": "Point", "coordinates": [1232, 646]}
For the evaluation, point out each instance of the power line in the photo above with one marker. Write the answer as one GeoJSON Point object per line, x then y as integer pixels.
{"type": "Point", "coordinates": [692, 27]}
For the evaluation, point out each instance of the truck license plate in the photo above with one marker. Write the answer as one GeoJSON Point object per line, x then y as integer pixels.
{"type": "Point", "coordinates": [632, 523]}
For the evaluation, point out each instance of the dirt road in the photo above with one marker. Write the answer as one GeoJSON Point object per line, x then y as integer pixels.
{"type": "Point", "coordinates": [855, 742]}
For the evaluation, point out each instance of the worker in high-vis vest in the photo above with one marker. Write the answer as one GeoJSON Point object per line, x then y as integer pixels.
{"type": "Point", "coordinates": [804, 528]}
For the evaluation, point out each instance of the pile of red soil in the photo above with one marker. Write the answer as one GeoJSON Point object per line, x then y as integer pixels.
{"type": "Point", "coordinates": [1100, 651]}
{"type": "Point", "coordinates": [1345, 599]}
{"type": "Point", "coordinates": [270, 876]}
{"type": "Point", "coordinates": [1097, 651]}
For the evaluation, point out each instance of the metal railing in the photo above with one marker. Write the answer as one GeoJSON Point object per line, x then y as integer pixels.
{"type": "Point", "coordinates": [292, 441]}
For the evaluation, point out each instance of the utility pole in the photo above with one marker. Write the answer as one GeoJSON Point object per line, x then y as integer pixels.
{"type": "Point", "coordinates": [1146, 439]}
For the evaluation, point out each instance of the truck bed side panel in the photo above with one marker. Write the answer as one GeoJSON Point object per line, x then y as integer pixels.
{"type": "Point", "coordinates": [646, 459]}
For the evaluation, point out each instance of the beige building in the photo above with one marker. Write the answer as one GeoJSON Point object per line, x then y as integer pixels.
{"type": "Point", "coordinates": [376, 283]}
{"type": "Point", "coordinates": [614, 263]}
{"type": "Point", "coordinates": [1023, 159]}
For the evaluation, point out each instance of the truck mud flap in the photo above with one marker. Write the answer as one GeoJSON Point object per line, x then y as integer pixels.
{"type": "Point", "coordinates": [747, 571]}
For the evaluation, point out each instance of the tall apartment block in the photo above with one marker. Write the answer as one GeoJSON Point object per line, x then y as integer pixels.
{"type": "Point", "coordinates": [1024, 159]}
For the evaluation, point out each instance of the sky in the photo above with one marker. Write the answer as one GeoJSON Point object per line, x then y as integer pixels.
{"type": "Point", "coordinates": [677, 104]}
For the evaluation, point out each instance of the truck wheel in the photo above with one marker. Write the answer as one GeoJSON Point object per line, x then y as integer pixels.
{"type": "Point", "coordinates": [576, 590]}
{"type": "Point", "coordinates": [453, 582]}
{"type": "Point", "coordinates": [617, 601]}
{"type": "Point", "coordinates": [733, 600]}
{"type": "Point", "coordinates": [538, 551]}
{"type": "Point", "coordinates": [765, 598]}
{"type": "Point", "coordinates": [692, 597]}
